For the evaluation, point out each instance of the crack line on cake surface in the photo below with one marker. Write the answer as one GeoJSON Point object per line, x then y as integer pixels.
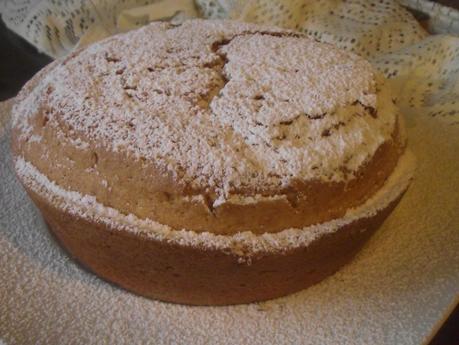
{"type": "Point", "coordinates": [223, 58]}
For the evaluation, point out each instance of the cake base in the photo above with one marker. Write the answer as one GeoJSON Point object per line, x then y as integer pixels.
{"type": "Point", "coordinates": [182, 266]}
{"type": "Point", "coordinates": [202, 276]}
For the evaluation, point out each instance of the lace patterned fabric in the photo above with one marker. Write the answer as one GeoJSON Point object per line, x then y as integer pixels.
{"type": "Point", "coordinates": [440, 19]}
{"type": "Point", "coordinates": [56, 26]}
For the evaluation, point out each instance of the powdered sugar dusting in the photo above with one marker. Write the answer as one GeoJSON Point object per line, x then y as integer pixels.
{"type": "Point", "coordinates": [220, 105]}
{"type": "Point", "coordinates": [243, 244]}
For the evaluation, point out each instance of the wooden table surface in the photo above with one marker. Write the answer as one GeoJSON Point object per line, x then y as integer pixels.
{"type": "Point", "coordinates": [19, 61]}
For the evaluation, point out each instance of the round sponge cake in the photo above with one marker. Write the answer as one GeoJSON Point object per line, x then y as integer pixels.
{"type": "Point", "coordinates": [213, 162]}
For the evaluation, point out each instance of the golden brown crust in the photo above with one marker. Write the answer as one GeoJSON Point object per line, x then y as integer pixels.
{"type": "Point", "coordinates": [196, 276]}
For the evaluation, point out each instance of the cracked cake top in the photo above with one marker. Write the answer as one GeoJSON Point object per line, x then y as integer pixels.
{"type": "Point", "coordinates": [220, 105]}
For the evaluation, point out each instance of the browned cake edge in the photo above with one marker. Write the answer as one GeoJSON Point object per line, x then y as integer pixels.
{"type": "Point", "coordinates": [202, 276]}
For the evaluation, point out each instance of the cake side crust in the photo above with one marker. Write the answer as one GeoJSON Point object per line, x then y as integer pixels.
{"type": "Point", "coordinates": [203, 276]}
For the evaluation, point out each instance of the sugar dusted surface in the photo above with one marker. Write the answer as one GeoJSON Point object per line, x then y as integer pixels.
{"type": "Point", "coordinates": [219, 105]}
{"type": "Point", "coordinates": [243, 244]}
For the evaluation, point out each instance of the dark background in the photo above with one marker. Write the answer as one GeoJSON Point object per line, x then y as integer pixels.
{"type": "Point", "coordinates": [19, 61]}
